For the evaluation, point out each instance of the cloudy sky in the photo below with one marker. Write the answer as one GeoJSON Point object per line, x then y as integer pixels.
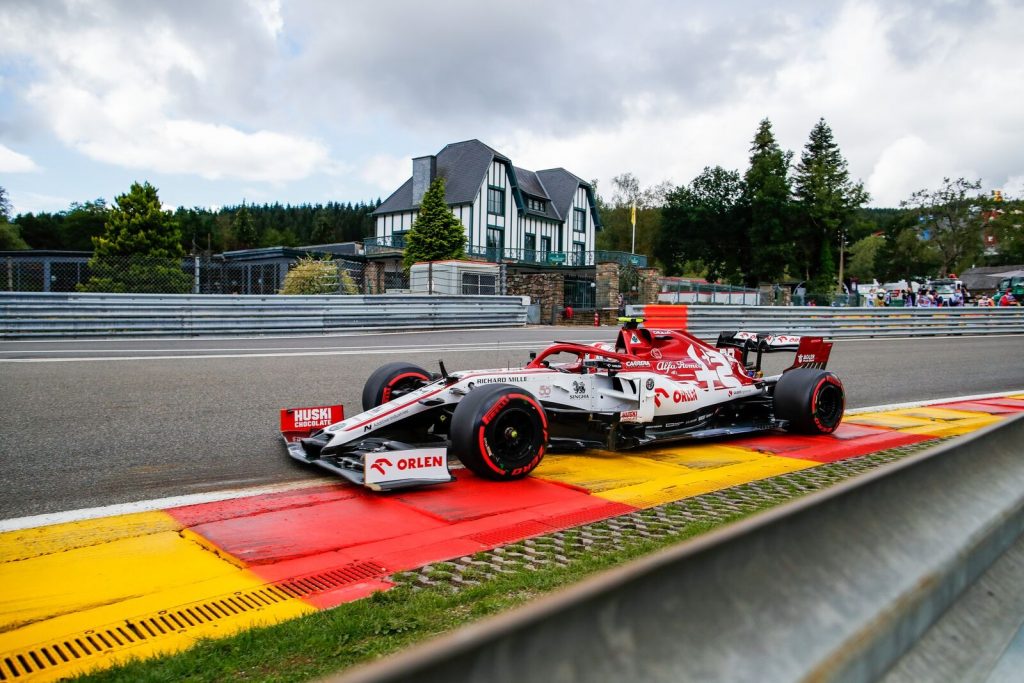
{"type": "Point", "coordinates": [316, 100]}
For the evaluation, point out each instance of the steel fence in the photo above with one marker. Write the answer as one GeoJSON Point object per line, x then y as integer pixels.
{"type": "Point", "coordinates": [683, 291]}
{"type": "Point", "coordinates": [37, 315]}
{"type": "Point", "coordinates": [708, 321]}
{"type": "Point", "coordinates": [201, 274]}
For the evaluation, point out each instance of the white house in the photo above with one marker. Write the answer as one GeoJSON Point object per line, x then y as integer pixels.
{"type": "Point", "coordinates": [509, 213]}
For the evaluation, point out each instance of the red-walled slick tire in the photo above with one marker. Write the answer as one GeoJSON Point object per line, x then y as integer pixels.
{"type": "Point", "coordinates": [812, 400]}
{"type": "Point", "coordinates": [499, 432]}
{"type": "Point", "coordinates": [392, 381]}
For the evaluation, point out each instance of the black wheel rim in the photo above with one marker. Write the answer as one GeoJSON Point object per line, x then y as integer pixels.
{"type": "Point", "coordinates": [828, 409]}
{"type": "Point", "coordinates": [511, 437]}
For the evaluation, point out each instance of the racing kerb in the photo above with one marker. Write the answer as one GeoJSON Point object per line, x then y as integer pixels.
{"type": "Point", "coordinates": [834, 586]}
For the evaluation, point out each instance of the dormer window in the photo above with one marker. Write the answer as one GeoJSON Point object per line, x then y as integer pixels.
{"type": "Point", "coordinates": [535, 204]}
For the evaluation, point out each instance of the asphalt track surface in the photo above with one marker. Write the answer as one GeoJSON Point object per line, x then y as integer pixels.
{"type": "Point", "coordinates": [91, 423]}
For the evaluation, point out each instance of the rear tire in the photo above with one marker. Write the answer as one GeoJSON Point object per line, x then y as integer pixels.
{"type": "Point", "coordinates": [499, 432]}
{"type": "Point", "coordinates": [391, 381]}
{"type": "Point", "coordinates": [811, 400]}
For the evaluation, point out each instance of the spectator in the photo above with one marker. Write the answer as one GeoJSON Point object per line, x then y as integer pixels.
{"type": "Point", "coordinates": [1009, 300]}
{"type": "Point", "coordinates": [881, 298]}
{"type": "Point", "coordinates": [936, 299]}
{"type": "Point", "coordinates": [923, 300]}
{"type": "Point", "coordinates": [957, 298]}
{"type": "Point", "coordinates": [910, 299]}
{"type": "Point", "coordinates": [985, 301]}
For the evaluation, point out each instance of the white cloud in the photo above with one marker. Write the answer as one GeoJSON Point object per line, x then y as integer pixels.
{"type": "Point", "coordinates": [120, 93]}
{"type": "Point", "coordinates": [34, 202]}
{"type": "Point", "coordinates": [15, 162]}
{"type": "Point", "coordinates": [385, 172]}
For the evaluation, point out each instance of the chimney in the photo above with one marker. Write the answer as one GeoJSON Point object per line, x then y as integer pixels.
{"type": "Point", "coordinates": [423, 171]}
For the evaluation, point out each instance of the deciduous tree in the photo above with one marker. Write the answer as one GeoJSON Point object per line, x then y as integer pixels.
{"type": "Point", "coordinates": [702, 221]}
{"type": "Point", "coordinates": [951, 219]}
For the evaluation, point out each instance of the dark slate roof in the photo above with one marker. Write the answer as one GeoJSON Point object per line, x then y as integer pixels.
{"type": "Point", "coordinates": [561, 186]}
{"type": "Point", "coordinates": [531, 185]}
{"type": "Point", "coordinates": [464, 166]}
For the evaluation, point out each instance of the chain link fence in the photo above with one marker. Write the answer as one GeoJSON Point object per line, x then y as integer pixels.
{"type": "Point", "coordinates": [191, 275]}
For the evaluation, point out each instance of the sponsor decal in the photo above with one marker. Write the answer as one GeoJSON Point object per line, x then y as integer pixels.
{"type": "Point", "coordinates": [579, 387]}
{"type": "Point", "coordinates": [782, 340]}
{"type": "Point", "coordinates": [805, 358]}
{"type": "Point", "coordinates": [650, 384]}
{"type": "Point", "coordinates": [633, 339]}
{"type": "Point", "coordinates": [638, 363]}
{"type": "Point", "coordinates": [629, 416]}
{"type": "Point", "coordinates": [670, 365]}
{"type": "Point", "coordinates": [743, 336]}
{"type": "Point", "coordinates": [423, 463]}
{"type": "Point", "coordinates": [307, 419]}
{"type": "Point", "coordinates": [681, 395]}
{"type": "Point", "coordinates": [544, 391]}
{"type": "Point", "coordinates": [656, 354]}
{"type": "Point", "coordinates": [500, 379]}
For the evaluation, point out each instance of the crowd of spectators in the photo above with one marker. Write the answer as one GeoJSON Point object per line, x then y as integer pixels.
{"type": "Point", "coordinates": [931, 298]}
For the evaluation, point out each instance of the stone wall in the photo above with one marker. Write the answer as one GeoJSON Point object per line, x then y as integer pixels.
{"type": "Point", "coordinates": [546, 289]}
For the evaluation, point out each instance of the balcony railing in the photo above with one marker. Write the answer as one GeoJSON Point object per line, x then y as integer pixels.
{"type": "Point", "coordinates": [378, 246]}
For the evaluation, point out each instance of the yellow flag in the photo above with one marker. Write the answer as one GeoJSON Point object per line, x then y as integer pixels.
{"type": "Point", "coordinates": [633, 215]}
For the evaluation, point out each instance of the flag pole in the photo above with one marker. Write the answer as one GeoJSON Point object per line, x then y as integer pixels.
{"type": "Point", "coordinates": [632, 248]}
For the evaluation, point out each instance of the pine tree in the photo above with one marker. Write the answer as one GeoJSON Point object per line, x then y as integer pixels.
{"type": "Point", "coordinates": [244, 228]}
{"type": "Point", "coordinates": [827, 200]}
{"type": "Point", "coordinates": [768, 207]}
{"type": "Point", "coordinates": [140, 249]}
{"type": "Point", "coordinates": [437, 234]}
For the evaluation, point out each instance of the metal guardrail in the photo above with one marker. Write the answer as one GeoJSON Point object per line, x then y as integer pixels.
{"type": "Point", "coordinates": [35, 314]}
{"type": "Point", "coordinates": [708, 321]}
{"type": "Point", "coordinates": [836, 586]}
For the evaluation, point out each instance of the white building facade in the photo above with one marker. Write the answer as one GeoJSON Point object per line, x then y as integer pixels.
{"type": "Point", "coordinates": [509, 213]}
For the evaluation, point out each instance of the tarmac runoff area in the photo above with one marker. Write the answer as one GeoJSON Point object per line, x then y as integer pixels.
{"type": "Point", "coordinates": [82, 595]}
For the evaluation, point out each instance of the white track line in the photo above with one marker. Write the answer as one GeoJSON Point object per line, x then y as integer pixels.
{"type": "Point", "coordinates": [21, 523]}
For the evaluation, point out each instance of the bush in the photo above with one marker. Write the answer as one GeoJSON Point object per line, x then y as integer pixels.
{"type": "Point", "coordinates": [316, 276]}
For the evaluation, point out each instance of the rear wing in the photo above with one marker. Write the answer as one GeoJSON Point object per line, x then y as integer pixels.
{"type": "Point", "coordinates": [811, 352]}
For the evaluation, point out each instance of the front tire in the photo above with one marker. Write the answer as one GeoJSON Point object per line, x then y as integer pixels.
{"type": "Point", "coordinates": [392, 380]}
{"type": "Point", "coordinates": [811, 400]}
{"type": "Point", "coordinates": [499, 432]}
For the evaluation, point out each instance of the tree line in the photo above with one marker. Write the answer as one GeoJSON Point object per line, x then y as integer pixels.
{"type": "Point", "coordinates": [201, 230]}
{"type": "Point", "coordinates": [781, 221]}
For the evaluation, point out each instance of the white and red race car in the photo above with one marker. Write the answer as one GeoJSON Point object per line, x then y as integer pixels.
{"type": "Point", "coordinates": [649, 386]}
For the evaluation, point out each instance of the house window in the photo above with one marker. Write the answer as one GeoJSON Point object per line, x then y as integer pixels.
{"type": "Point", "coordinates": [477, 283]}
{"type": "Point", "coordinates": [495, 244]}
{"type": "Point", "coordinates": [535, 204]}
{"type": "Point", "coordinates": [579, 256]}
{"type": "Point", "coordinates": [398, 239]}
{"type": "Point", "coordinates": [579, 221]}
{"type": "Point", "coordinates": [496, 201]}
{"type": "Point", "coordinates": [545, 249]}
{"type": "Point", "coordinates": [529, 247]}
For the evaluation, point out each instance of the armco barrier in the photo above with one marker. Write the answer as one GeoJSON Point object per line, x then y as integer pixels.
{"type": "Point", "coordinates": [834, 586]}
{"type": "Point", "coordinates": [708, 321]}
{"type": "Point", "coordinates": [36, 315]}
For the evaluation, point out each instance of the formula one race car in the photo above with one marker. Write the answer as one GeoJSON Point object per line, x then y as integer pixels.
{"type": "Point", "coordinates": [649, 386]}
